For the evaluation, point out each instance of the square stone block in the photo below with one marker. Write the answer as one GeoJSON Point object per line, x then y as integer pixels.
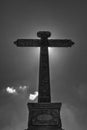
{"type": "Point", "coordinates": [44, 116]}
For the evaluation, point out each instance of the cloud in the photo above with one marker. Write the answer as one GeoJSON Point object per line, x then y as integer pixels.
{"type": "Point", "coordinates": [17, 117]}
{"type": "Point", "coordinates": [11, 90]}
{"type": "Point", "coordinates": [69, 120]}
{"type": "Point", "coordinates": [16, 90]}
{"type": "Point", "coordinates": [23, 88]}
{"type": "Point", "coordinates": [33, 96]}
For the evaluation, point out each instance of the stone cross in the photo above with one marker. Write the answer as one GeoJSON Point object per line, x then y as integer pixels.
{"type": "Point", "coordinates": [44, 43]}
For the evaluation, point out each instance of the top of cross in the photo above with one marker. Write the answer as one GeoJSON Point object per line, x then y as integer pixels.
{"type": "Point", "coordinates": [44, 34]}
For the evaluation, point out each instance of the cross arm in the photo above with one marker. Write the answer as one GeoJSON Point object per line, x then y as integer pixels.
{"type": "Point", "coordinates": [27, 43]}
{"type": "Point", "coordinates": [60, 43]}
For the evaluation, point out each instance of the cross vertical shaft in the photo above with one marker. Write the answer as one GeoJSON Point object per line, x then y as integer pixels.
{"type": "Point", "coordinates": [44, 77]}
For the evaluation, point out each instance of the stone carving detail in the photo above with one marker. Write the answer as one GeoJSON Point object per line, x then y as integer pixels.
{"type": "Point", "coordinates": [51, 117]}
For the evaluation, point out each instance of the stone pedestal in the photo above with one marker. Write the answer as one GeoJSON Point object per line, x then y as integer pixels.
{"type": "Point", "coordinates": [44, 116]}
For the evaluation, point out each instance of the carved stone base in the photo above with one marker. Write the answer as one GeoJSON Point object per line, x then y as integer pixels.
{"type": "Point", "coordinates": [44, 116]}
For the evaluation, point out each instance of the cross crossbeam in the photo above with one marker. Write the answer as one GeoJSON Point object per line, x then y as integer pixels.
{"type": "Point", "coordinates": [39, 43]}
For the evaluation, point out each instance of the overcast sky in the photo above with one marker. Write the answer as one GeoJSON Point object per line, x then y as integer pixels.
{"type": "Point", "coordinates": [20, 66]}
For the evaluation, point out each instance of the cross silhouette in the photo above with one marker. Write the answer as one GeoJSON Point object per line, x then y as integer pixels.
{"type": "Point", "coordinates": [44, 43]}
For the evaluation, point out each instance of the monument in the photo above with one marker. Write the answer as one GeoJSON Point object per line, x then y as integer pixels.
{"type": "Point", "coordinates": [44, 115]}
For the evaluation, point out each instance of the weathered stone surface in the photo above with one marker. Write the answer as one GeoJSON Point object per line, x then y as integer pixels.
{"type": "Point", "coordinates": [44, 114]}
{"type": "Point", "coordinates": [44, 77]}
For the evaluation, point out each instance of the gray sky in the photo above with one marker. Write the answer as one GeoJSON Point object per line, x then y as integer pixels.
{"type": "Point", "coordinates": [20, 66]}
